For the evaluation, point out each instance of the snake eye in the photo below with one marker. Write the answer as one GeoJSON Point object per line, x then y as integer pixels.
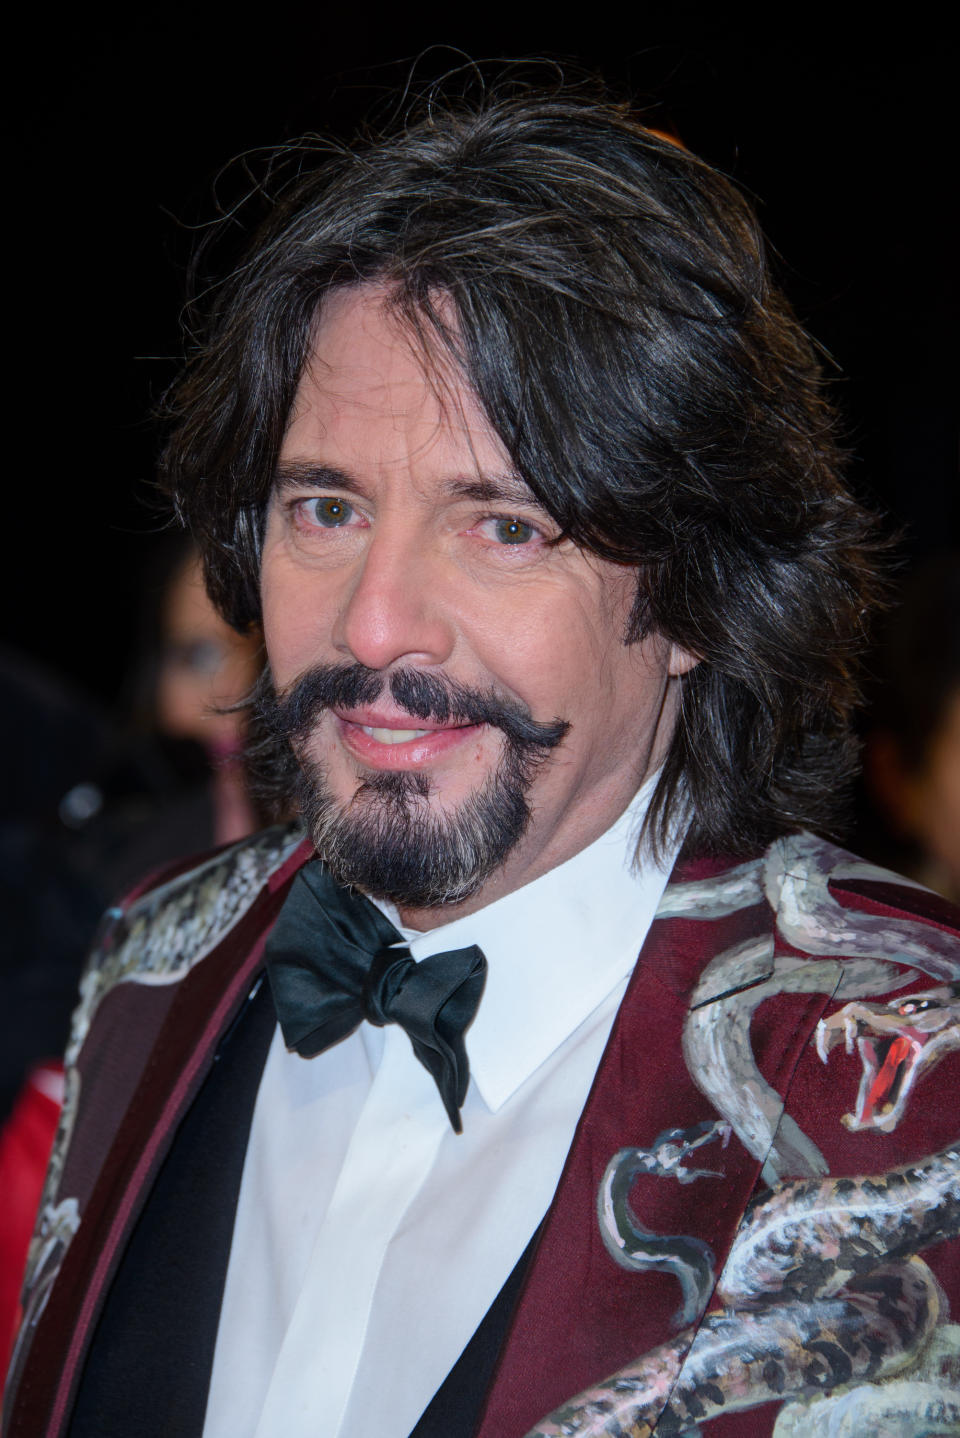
{"type": "Point", "coordinates": [915, 1006]}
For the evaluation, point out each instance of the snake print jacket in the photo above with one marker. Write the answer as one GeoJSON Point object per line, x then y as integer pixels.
{"type": "Point", "coordinates": [752, 1232]}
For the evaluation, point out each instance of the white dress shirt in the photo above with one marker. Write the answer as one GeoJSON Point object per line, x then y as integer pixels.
{"type": "Point", "coordinates": [370, 1239]}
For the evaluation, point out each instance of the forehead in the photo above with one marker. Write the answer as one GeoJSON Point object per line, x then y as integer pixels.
{"type": "Point", "coordinates": [372, 395]}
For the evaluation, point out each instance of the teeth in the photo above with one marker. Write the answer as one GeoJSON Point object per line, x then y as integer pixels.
{"type": "Point", "coordinates": [394, 736]}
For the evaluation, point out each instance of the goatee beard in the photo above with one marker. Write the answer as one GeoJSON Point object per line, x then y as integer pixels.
{"type": "Point", "coordinates": [385, 839]}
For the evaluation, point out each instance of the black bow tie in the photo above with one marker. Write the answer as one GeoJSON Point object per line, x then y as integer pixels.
{"type": "Point", "coordinates": [333, 960]}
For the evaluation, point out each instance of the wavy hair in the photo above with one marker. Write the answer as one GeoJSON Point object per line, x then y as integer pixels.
{"type": "Point", "coordinates": [615, 316]}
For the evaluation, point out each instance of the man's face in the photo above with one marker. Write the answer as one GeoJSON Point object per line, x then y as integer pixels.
{"type": "Point", "coordinates": [398, 539]}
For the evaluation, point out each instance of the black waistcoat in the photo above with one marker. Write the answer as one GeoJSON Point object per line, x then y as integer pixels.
{"type": "Point", "coordinates": [148, 1368]}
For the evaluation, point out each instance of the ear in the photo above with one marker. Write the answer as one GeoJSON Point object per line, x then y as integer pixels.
{"type": "Point", "coordinates": [680, 661]}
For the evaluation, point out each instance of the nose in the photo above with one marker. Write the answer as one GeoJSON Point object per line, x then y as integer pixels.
{"type": "Point", "coordinates": [392, 609]}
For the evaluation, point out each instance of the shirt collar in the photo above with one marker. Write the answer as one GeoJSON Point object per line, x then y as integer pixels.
{"type": "Point", "coordinates": [555, 949]}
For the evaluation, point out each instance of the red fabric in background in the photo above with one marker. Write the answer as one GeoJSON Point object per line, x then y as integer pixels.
{"type": "Point", "coordinates": [25, 1142]}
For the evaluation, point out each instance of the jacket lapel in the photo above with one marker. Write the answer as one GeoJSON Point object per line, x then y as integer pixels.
{"type": "Point", "coordinates": [581, 1316]}
{"type": "Point", "coordinates": [201, 1009]}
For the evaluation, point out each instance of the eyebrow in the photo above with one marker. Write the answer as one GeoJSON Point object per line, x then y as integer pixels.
{"type": "Point", "coordinates": [483, 489]}
{"type": "Point", "coordinates": [302, 474]}
{"type": "Point", "coordinates": [493, 489]}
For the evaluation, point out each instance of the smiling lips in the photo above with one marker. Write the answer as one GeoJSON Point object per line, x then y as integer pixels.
{"type": "Point", "coordinates": [381, 741]}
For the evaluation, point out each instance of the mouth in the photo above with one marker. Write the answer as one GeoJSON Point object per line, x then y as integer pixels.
{"type": "Point", "coordinates": [896, 1043]}
{"type": "Point", "coordinates": [390, 741]}
{"type": "Point", "coordinates": [889, 1068]}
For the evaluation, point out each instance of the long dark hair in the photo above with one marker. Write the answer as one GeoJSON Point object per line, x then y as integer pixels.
{"type": "Point", "coordinates": [616, 318]}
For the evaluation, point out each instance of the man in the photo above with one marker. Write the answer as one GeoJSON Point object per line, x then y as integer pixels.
{"type": "Point", "coordinates": [507, 437]}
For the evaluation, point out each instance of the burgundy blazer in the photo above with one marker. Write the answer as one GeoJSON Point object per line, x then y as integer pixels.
{"type": "Point", "coordinates": [768, 1040]}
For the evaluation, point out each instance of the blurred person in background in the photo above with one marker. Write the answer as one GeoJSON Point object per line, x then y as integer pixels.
{"type": "Point", "coordinates": [195, 673]}
{"type": "Point", "coordinates": [51, 739]}
{"type": "Point", "coordinates": [90, 806]}
{"type": "Point", "coordinates": [912, 757]}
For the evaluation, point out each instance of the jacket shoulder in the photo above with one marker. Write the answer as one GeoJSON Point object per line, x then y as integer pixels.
{"type": "Point", "coordinates": [828, 901]}
{"type": "Point", "coordinates": [176, 919]}
{"type": "Point", "coordinates": [819, 899]}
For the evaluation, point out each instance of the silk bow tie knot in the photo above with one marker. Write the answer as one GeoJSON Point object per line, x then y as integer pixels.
{"type": "Point", "coordinates": [383, 983]}
{"type": "Point", "coordinates": [334, 960]}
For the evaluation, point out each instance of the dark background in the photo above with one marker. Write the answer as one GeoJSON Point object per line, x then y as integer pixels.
{"type": "Point", "coordinates": [837, 127]}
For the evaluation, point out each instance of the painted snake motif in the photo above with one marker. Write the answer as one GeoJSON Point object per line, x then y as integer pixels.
{"type": "Point", "coordinates": [633, 1246]}
{"type": "Point", "coordinates": [851, 956]}
{"type": "Point", "coordinates": [897, 1043]}
{"type": "Point", "coordinates": [821, 1288]}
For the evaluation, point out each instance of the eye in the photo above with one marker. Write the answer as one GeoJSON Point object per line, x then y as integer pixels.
{"type": "Point", "coordinates": [513, 531]}
{"type": "Point", "coordinates": [199, 656]}
{"type": "Point", "coordinates": [328, 511]}
{"type": "Point", "coordinates": [916, 1006]}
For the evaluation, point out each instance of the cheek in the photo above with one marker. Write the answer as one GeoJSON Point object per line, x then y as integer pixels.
{"type": "Point", "coordinates": [295, 620]}
{"type": "Point", "coordinates": [525, 653]}
{"type": "Point", "coordinates": [554, 649]}
{"type": "Point", "coordinates": [179, 699]}
{"type": "Point", "coordinates": [631, 688]}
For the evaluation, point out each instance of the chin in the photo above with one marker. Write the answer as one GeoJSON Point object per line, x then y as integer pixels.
{"type": "Point", "coordinates": [394, 840]}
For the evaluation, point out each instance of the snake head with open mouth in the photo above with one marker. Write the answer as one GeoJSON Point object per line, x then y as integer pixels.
{"type": "Point", "coordinates": [897, 1042]}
